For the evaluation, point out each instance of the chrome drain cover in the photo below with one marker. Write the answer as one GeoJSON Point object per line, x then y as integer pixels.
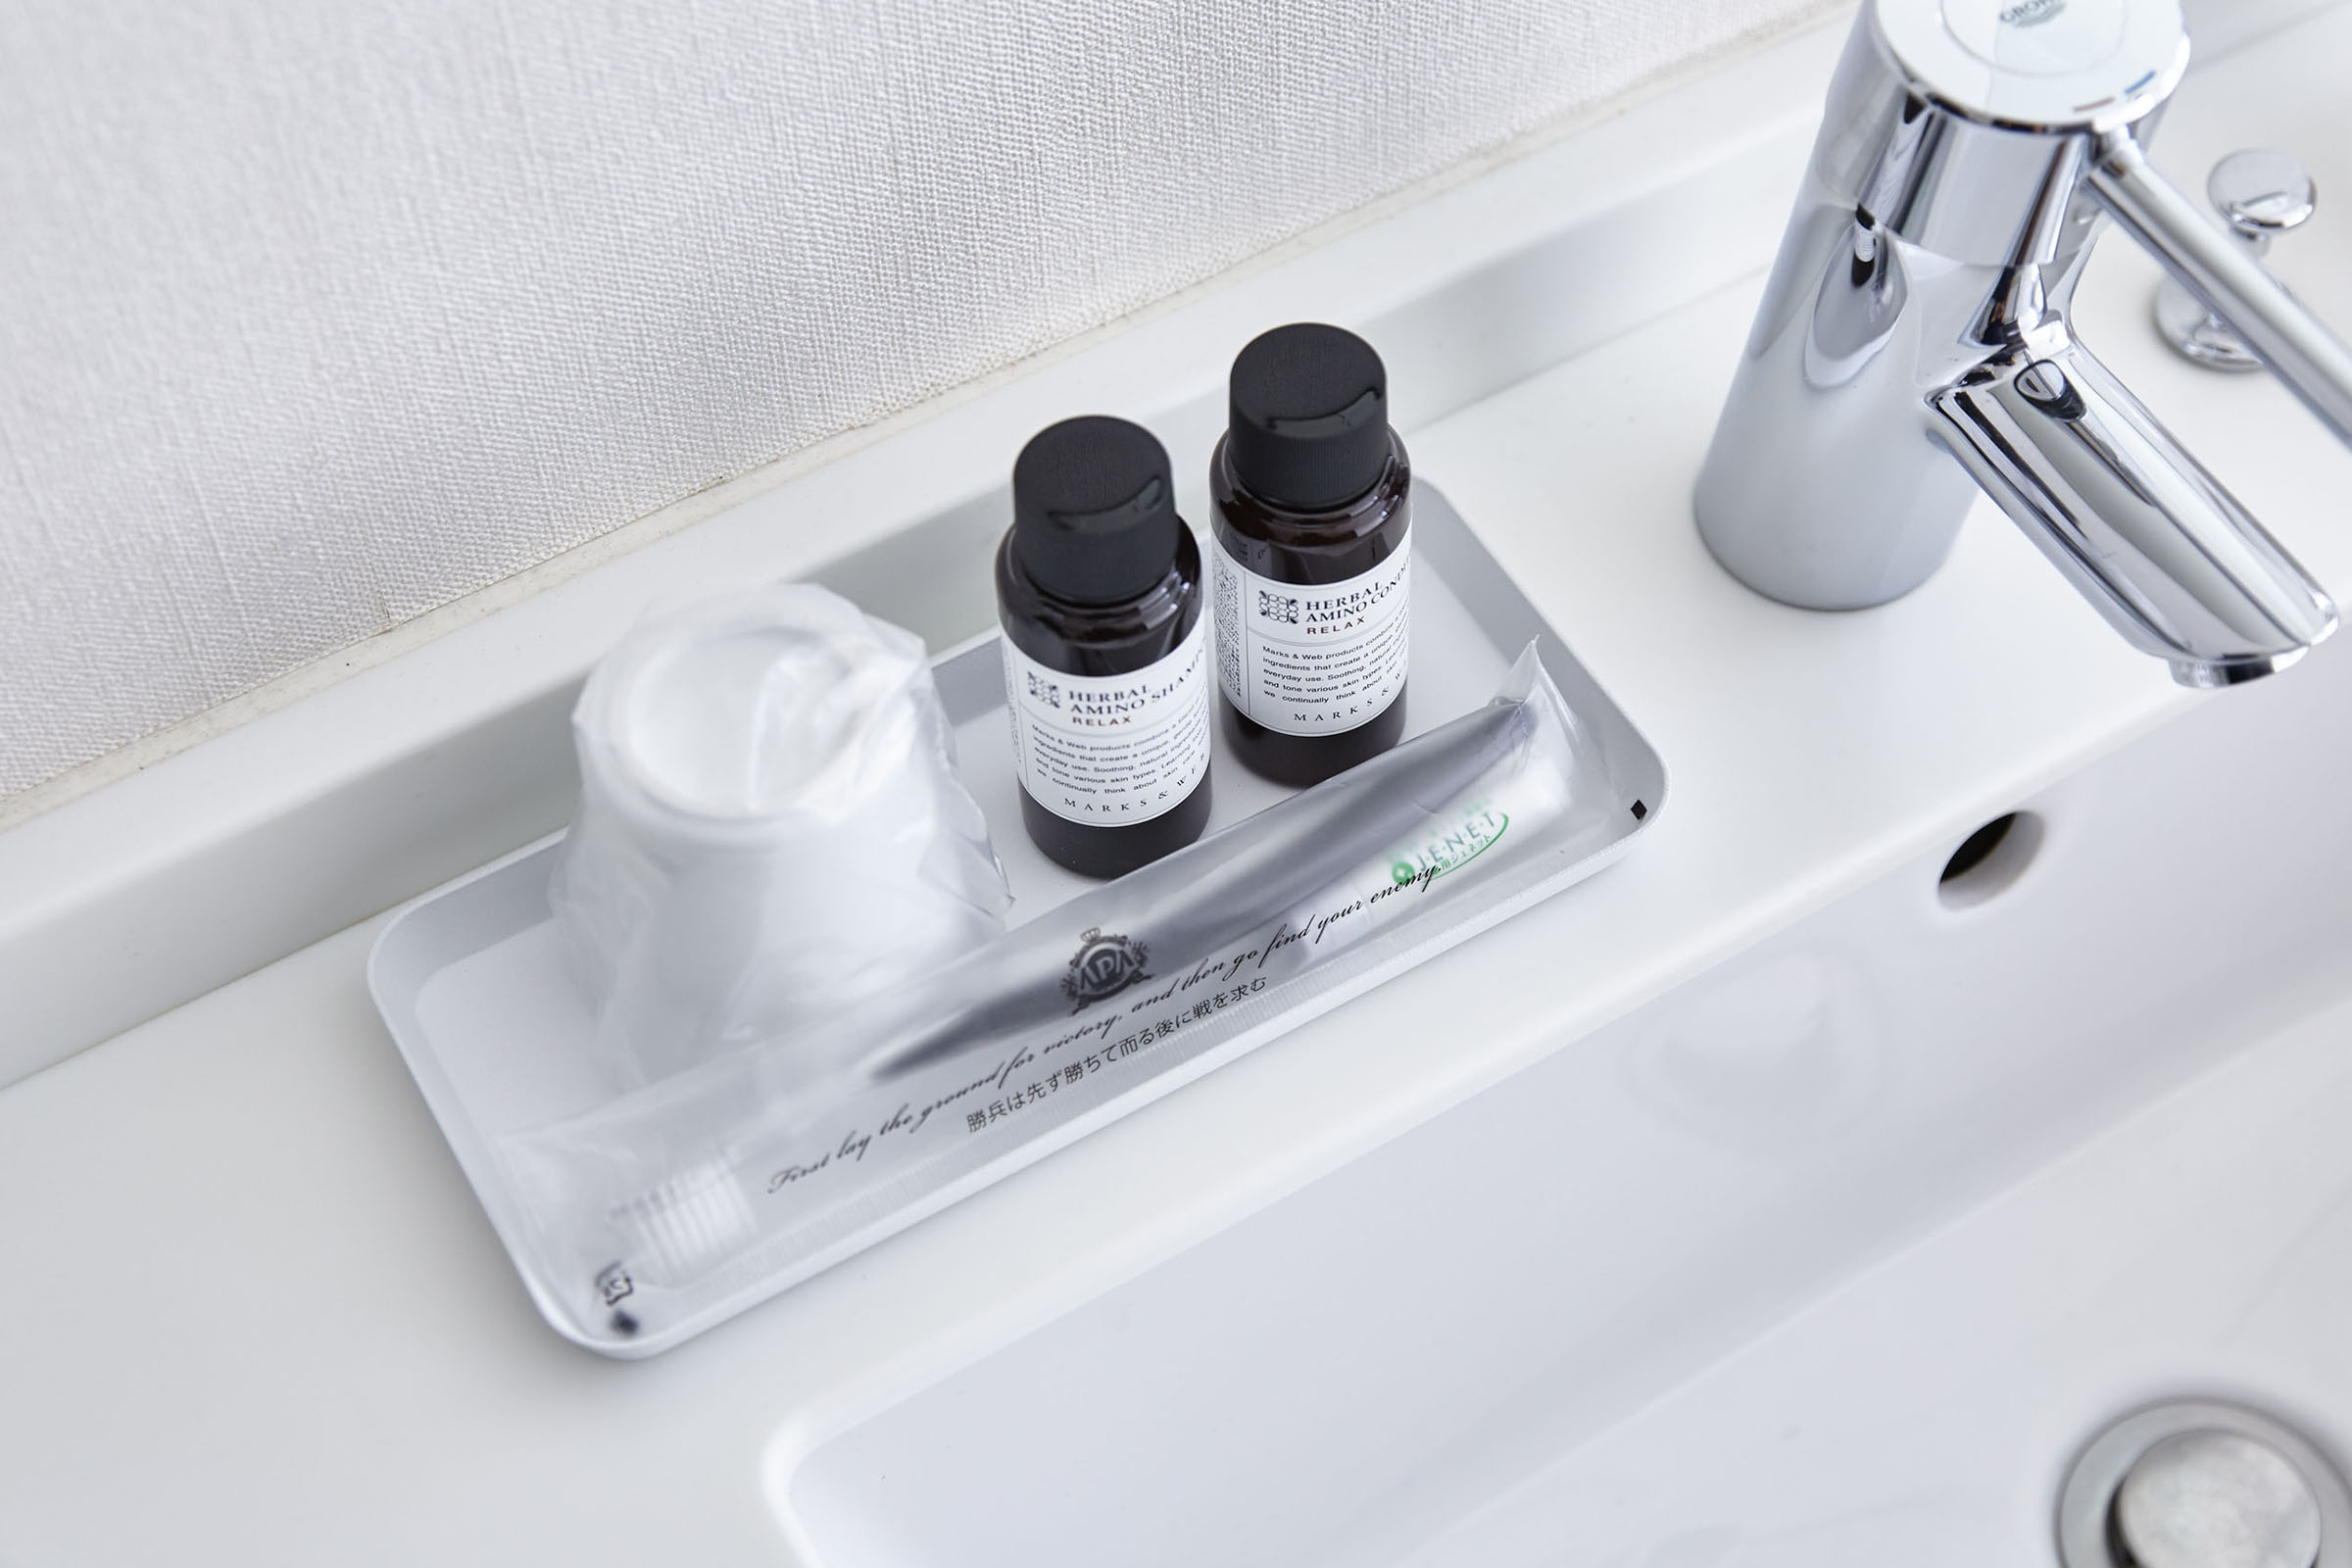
{"type": "Point", "coordinates": [2203, 1485]}
{"type": "Point", "coordinates": [2211, 1498]}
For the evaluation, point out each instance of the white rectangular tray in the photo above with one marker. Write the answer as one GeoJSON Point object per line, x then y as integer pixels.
{"type": "Point", "coordinates": [472, 981]}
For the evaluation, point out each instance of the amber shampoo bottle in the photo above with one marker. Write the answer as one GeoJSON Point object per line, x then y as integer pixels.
{"type": "Point", "coordinates": [1107, 663]}
{"type": "Point", "coordinates": [1313, 561]}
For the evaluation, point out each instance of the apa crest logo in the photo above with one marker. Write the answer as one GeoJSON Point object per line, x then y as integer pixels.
{"type": "Point", "coordinates": [1102, 966]}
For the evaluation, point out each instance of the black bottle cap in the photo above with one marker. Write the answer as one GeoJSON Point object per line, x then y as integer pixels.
{"type": "Point", "coordinates": [1310, 416]}
{"type": "Point", "coordinates": [1093, 515]}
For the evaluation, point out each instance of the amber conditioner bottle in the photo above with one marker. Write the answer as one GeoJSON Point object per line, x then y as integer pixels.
{"type": "Point", "coordinates": [1313, 561]}
{"type": "Point", "coordinates": [1106, 668]}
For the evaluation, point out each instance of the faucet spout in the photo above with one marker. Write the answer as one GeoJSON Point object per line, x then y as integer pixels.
{"type": "Point", "coordinates": [2142, 529]}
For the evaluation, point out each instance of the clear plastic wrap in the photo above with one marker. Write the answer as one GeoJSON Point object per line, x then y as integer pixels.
{"type": "Point", "coordinates": [771, 831]}
{"type": "Point", "coordinates": [696, 1188]}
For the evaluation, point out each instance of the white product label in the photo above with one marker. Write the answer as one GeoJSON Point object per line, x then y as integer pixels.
{"type": "Point", "coordinates": [1107, 750]}
{"type": "Point", "coordinates": [1313, 659]}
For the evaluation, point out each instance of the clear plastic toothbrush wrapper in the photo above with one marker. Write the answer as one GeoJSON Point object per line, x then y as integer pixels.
{"type": "Point", "coordinates": [759, 1009]}
{"type": "Point", "coordinates": [698, 1183]}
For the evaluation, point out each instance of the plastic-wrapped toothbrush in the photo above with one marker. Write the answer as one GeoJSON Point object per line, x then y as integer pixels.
{"type": "Point", "coordinates": [689, 1184]}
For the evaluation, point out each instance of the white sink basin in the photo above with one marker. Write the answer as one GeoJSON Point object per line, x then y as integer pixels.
{"type": "Point", "coordinates": [1444, 1351]}
{"type": "Point", "coordinates": [1834, 1255]}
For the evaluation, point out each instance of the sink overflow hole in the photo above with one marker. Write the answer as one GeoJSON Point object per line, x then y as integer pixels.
{"type": "Point", "coordinates": [1989, 859]}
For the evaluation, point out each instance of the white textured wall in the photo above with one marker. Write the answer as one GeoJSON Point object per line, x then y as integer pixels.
{"type": "Point", "coordinates": [316, 315]}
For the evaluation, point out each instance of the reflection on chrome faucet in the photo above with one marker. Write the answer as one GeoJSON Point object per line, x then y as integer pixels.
{"type": "Point", "coordinates": [1918, 314]}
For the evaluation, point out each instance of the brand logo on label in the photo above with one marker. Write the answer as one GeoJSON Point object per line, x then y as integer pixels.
{"type": "Point", "coordinates": [1274, 606]}
{"type": "Point", "coordinates": [1044, 691]}
{"type": "Point", "coordinates": [1102, 966]}
{"type": "Point", "coordinates": [2031, 13]}
{"type": "Point", "coordinates": [1451, 851]}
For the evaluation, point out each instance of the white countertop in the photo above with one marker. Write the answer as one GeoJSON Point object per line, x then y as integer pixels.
{"type": "Point", "coordinates": [257, 1318]}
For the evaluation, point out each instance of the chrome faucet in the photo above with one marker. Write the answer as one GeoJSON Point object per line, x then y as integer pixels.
{"type": "Point", "coordinates": [1918, 315]}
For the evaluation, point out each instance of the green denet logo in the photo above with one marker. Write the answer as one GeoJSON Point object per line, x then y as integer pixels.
{"type": "Point", "coordinates": [1458, 848]}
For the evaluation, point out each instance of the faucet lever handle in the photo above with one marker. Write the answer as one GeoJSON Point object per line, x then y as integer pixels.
{"type": "Point", "coordinates": [2259, 194]}
{"type": "Point", "coordinates": [2215, 266]}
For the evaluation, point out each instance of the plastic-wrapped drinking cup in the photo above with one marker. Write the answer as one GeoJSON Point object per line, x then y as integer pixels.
{"type": "Point", "coordinates": [770, 830]}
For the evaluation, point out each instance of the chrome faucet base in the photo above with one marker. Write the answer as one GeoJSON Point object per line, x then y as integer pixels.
{"type": "Point", "coordinates": [1913, 345]}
